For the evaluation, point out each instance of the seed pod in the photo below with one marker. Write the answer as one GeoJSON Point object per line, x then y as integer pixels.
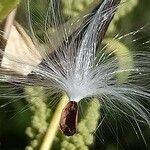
{"type": "Point", "coordinates": [69, 117]}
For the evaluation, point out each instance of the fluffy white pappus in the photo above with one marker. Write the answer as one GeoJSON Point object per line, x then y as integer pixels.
{"type": "Point", "coordinates": [73, 59]}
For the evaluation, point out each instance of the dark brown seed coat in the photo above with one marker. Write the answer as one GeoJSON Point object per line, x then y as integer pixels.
{"type": "Point", "coordinates": [68, 120]}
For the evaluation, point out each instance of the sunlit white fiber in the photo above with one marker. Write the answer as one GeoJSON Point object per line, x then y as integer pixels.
{"type": "Point", "coordinates": [81, 68]}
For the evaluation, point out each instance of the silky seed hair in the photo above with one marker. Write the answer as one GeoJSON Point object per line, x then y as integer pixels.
{"type": "Point", "coordinates": [73, 57]}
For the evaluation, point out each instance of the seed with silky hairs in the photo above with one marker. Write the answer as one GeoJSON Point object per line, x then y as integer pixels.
{"type": "Point", "coordinates": [69, 117]}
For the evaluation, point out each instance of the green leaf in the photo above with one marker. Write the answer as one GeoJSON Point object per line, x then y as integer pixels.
{"type": "Point", "coordinates": [6, 6]}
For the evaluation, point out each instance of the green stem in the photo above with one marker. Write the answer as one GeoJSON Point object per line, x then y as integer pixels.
{"type": "Point", "coordinates": [53, 126]}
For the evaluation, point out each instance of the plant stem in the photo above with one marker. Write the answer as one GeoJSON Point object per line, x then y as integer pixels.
{"type": "Point", "coordinates": [53, 126]}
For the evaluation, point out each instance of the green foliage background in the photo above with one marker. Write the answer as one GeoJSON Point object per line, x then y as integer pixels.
{"type": "Point", "coordinates": [24, 122]}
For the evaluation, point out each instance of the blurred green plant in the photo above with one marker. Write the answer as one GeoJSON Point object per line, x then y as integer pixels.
{"type": "Point", "coordinates": [121, 51]}
{"type": "Point", "coordinates": [6, 6]}
{"type": "Point", "coordinates": [125, 8]}
{"type": "Point", "coordinates": [72, 8]}
{"type": "Point", "coordinates": [40, 114]}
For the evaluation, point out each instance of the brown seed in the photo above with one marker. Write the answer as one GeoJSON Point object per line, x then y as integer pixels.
{"type": "Point", "coordinates": [69, 118]}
